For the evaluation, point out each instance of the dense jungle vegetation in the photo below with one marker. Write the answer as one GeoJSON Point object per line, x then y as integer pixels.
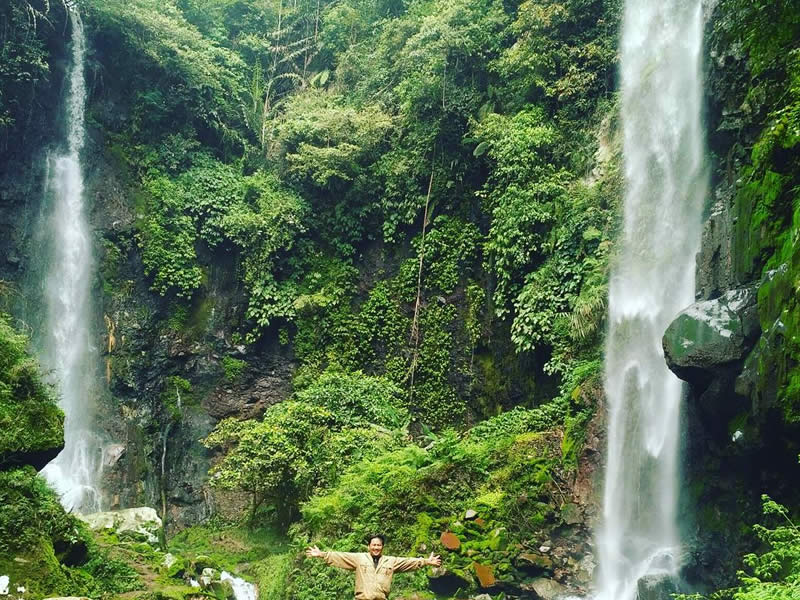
{"type": "Point", "coordinates": [415, 201]}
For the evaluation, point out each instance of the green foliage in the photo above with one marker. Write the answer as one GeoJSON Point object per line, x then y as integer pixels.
{"type": "Point", "coordinates": [774, 573]}
{"type": "Point", "coordinates": [450, 253]}
{"type": "Point", "coordinates": [167, 238]}
{"type": "Point", "coordinates": [30, 511]}
{"type": "Point", "coordinates": [272, 573]}
{"type": "Point", "coordinates": [24, 60]}
{"type": "Point", "coordinates": [197, 80]}
{"type": "Point", "coordinates": [111, 575]}
{"type": "Point", "coordinates": [766, 29]}
{"type": "Point", "coordinates": [357, 400]}
{"type": "Point", "coordinates": [564, 50]}
{"type": "Point", "coordinates": [326, 142]}
{"type": "Point", "coordinates": [519, 420]}
{"type": "Point", "coordinates": [225, 546]}
{"type": "Point", "coordinates": [276, 459]}
{"type": "Point", "coordinates": [213, 204]}
{"type": "Point", "coordinates": [233, 368]}
{"type": "Point", "coordinates": [520, 193]}
{"type": "Point", "coordinates": [35, 528]}
{"type": "Point", "coordinates": [264, 226]}
{"type": "Point", "coordinates": [177, 393]}
{"type": "Point", "coordinates": [302, 444]}
{"type": "Point", "coordinates": [768, 199]}
{"type": "Point", "coordinates": [30, 420]}
{"type": "Point", "coordinates": [503, 470]}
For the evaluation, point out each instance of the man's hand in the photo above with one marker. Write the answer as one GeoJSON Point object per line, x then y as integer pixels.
{"type": "Point", "coordinates": [434, 560]}
{"type": "Point", "coordinates": [314, 552]}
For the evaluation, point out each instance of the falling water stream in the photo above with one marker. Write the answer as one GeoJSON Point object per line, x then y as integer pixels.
{"type": "Point", "coordinates": [652, 280]}
{"type": "Point", "coordinates": [67, 346]}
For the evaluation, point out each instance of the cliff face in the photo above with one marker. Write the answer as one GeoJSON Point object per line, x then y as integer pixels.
{"type": "Point", "coordinates": [736, 346]}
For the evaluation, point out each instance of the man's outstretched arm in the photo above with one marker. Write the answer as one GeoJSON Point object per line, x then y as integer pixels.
{"type": "Point", "coordinates": [407, 563]}
{"type": "Point", "coordinates": [343, 560]}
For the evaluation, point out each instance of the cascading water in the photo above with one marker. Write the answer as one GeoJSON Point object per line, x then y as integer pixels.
{"type": "Point", "coordinates": [241, 589]}
{"type": "Point", "coordinates": [652, 280]}
{"type": "Point", "coordinates": [66, 344]}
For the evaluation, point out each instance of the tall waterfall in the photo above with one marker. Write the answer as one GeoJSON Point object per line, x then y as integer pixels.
{"type": "Point", "coordinates": [652, 280]}
{"type": "Point", "coordinates": [67, 350]}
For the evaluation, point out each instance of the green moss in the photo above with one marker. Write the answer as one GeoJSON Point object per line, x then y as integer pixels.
{"type": "Point", "coordinates": [30, 420]}
{"type": "Point", "coordinates": [233, 368]}
{"type": "Point", "coordinates": [37, 569]}
{"type": "Point", "coordinates": [272, 574]}
{"type": "Point", "coordinates": [226, 546]}
{"type": "Point", "coordinates": [200, 316]}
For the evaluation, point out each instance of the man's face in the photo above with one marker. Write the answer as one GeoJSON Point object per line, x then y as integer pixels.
{"type": "Point", "coordinates": [375, 546]}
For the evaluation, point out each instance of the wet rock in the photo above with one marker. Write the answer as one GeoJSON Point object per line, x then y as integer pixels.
{"type": "Point", "coordinates": [534, 563]}
{"type": "Point", "coordinates": [586, 567]}
{"type": "Point", "coordinates": [571, 514]}
{"type": "Point", "coordinates": [714, 271]}
{"type": "Point", "coordinates": [446, 582]}
{"type": "Point", "coordinates": [546, 589]}
{"type": "Point", "coordinates": [656, 587]}
{"type": "Point", "coordinates": [753, 382]}
{"type": "Point", "coordinates": [203, 564]}
{"type": "Point", "coordinates": [169, 560]}
{"type": "Point", "coordinates": [707, 337]}
{"type": "Point", "coordinates": [112, 453]}
{"type": "Point", "coordinates": [251, 398]}
{"type": "Point", "coordinates": [142, 521]}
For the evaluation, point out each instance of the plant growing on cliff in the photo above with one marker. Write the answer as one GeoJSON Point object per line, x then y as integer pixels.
{"type": "Point", "coordinates": [773, 574]}
{"type": "Point", "coordinates": [302, 444]}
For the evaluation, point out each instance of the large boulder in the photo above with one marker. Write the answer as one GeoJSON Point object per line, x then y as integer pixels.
{"type": "Point", "coordinates": [709, 336]}
{"type": "Point", "coordinates": [142, 522]}
{"type": "Point", "coordinates": [31, 424]}
{"type": "Point", "coordinates": [547, 589]}
{"type": "Point", "coordinates": [656, 587]}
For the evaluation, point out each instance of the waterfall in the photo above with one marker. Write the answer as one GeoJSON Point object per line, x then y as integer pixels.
{"type": "Point", "coordinates": [241, 589]}
{"type": "Point", "coordinates": [652, 280]}
{"type": "Point", "coordinates": [66, 341]}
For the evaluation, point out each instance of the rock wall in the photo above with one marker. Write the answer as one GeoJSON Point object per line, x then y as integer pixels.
{"type": "Point", "coordinates": [738, 443]}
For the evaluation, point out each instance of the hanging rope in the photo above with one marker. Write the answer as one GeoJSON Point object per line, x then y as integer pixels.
{"type": "Point", "coordinates": [415, 321]}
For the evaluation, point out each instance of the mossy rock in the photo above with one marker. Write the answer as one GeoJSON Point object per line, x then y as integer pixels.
{"type": "Point", "coordinates": [38, 570]}
{"type": "Point", "coordinates": [178, 568]}
{"type": "Point", "coordinates": [201, 561]}
{"type": "Point", "coordinates": [221, 590]}
{"type": "Point", "coordinates": [31, 424]}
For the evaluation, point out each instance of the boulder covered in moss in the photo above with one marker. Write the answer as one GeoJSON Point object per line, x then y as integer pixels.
{"type": "Point", "coordinates": [31, 424]}
{"type": "Point", "coordinates": [711, 335]}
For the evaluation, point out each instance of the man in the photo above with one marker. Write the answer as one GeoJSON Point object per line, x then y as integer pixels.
{"type": "Point", "coordinates": [374, 571]}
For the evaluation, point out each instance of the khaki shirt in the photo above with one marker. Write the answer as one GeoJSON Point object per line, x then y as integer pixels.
{"type": "Point", "coordinates": [372, 583]}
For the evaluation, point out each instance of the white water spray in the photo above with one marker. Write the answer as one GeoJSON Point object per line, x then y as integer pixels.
{"type": "Point", "coordinates": [241, 589]}
{"type": "Point", "coordinates": [653, 279]}
{"type": "Point", "coordinates": [68, 353]}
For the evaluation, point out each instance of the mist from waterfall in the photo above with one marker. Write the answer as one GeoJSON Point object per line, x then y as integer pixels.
{"type": "Point", "coordinates": [652, 279]}
{"type": "Point", "coordinates": [66, 341]}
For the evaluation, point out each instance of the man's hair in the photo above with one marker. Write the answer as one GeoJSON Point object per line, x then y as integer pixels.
{"type": "Point", "coordinates": [372, 536]}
